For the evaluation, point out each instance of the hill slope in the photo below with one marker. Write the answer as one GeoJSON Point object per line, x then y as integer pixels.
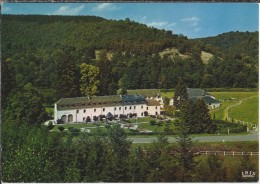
{"type": "Point", "coordinates": [41, 50]}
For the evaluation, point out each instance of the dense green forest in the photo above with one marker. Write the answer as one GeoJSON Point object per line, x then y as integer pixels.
{"type": "Point", "coordinates": [49, 51]}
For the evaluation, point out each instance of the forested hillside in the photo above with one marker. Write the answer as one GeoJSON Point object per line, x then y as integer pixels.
{"type": "Point", "coordinates": [61, 56]}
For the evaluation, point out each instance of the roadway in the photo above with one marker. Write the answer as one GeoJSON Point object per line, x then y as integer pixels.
{"type": "Point", "coordinates": [252, 136]}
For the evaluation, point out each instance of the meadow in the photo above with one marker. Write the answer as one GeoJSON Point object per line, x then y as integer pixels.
{"type": "Point", "coordinates": [245, 111]}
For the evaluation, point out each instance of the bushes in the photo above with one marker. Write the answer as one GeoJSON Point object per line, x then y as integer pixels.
{"type": "Point", "coordinates": [61, 129]}
{"type": "Point", "coordinates": [74, 131]}
{"type": "Point", "coordinates": [152, 122]}
{"type": "Point", "coordinates": [223, 126]}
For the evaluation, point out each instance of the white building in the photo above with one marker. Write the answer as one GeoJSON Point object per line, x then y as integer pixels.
{"type": "Point", "coordinates": [86, 109]}
{"type": "Point", "coordinates": [153, 107]}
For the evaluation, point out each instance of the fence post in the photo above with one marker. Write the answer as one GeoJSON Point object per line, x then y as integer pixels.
{"type": "Point", "coordinates": [224, 153]}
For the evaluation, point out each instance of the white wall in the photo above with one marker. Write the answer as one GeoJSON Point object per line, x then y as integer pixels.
{"type": "Point", "coordinates": [153, 109]}
{"type": "Point", "coordinates": [80, 115]}
{"type": "Point", "coordinates": [214, 105]}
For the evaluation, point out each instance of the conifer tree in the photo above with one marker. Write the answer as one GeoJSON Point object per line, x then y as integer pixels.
{"type": "Point", "coordinates": [67, 84]}
{"type": "Point", "coordinates": [189, 116]}
{"type": "Point", "coordinates": [202, 116]}
{"type": "Point", "coordinates": [180, 94]}
{"type": "Point", "coordinates": [186, 158]}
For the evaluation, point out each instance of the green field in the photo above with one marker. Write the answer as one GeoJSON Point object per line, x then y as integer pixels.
{"type": "Point", "coordinates": [247, 111]}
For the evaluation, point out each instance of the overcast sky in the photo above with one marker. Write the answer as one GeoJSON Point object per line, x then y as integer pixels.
{"type": "Point", "coordinates": [191, 19]}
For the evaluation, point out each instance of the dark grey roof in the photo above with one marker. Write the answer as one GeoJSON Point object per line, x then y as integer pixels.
{"type": "Point", "coordinates": [99, 101]}
{"type": "Point", "coordinates": [207, 99]}
{"type": "Point", "coordinates": [193, 92]}
{"type": "Point", "coordinates": [133, 99]}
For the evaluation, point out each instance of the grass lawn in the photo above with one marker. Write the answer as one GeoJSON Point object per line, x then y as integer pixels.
{"type": "Point", "coordinates": [220, 112]}
{"type": "Point", "coordinates": [155, 128]}
{"type": "Point", "coordinates": [80, 125]}
{"type": "Point", "coordinates": [247, 111]}
{"type": "Point", "coordinates": [168, 94]}
{"type": "Point", "coordinates": [140, 120]}
{"type": "Point", "coordinates": [242, 110]}
{"type": "Point", "coordinates": [231, 94]}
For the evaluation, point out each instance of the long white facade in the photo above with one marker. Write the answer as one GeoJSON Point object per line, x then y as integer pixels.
{"type": "Point", "coordinates": [129, 107]}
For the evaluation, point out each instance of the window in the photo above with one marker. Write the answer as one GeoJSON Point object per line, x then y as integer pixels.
{"type": "Point", "coordinates": [146, 108]}
{"type": "Point", "coordinates": [84, 110]}
{"type": "Point", "coordinates": [125, 108]}
{"type": "Point", "coordinates": [115, 108]}
{"type": "Point", "coordinates": [77, 111]}
{"type": "Point", "coordinates": [134, 107]}
{"type": "Point", "coordinates": [94, 110]}
{"type": "Point", "coordinates": [156, 107]}
{"type": "Point", "coordinates": [142, 114]}
{"type": "Point", "coordinates": [119, 108]}
{"type": "Point", "coordinates": [141, 107]}
{"type": "Point", "coordinates": [104, 109]}
{"type": "Point", "coordinates": [130, 107]}
{"type": "Point", "coordinates": [84, 119]}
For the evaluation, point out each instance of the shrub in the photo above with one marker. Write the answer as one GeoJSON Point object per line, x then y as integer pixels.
{"type": "Point", "coordinates": [74, 131]}
{"type": "Point", "coordinates": [159, 123]}
{"type": "Point", "coordinates": [50, 125]}
{"type": "Point", "coordinates": [223, 126]}
{"type": "Point", "coordinates": [61, 128]}
{"type": "Point", "coordinates": [152, 122]}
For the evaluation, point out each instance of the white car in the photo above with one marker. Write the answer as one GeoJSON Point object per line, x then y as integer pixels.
{"type": "Point", "coordinates": [50, 122]}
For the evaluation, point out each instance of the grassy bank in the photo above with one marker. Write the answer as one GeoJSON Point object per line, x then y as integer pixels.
{"type": "Point", "coordinates": [248, 110]}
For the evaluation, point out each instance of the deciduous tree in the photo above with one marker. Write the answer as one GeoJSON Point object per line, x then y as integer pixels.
{"type": "Point", "coordinates": [89, 79]}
